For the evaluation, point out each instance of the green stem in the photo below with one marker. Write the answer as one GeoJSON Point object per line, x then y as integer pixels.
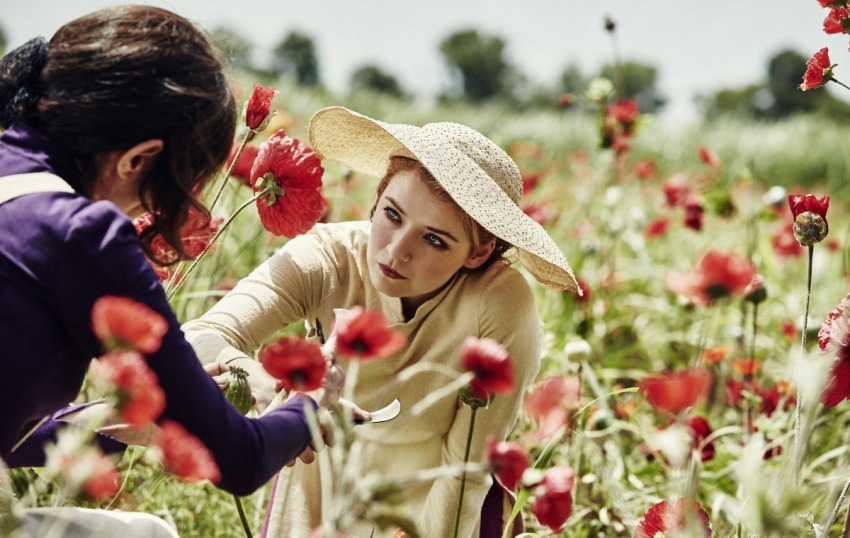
{"type": "Point", "coordinates": [242, 517]}
{"type": "Point", "coordinates": [248, 135]}
{"type": "Point", "coordinates": [798, 441]}
{"type": "Point", "coordinates": [837, 507]}
{"type": "Point", "coordinates": [221, 230]}
{"type": "Point", "coordinates": [463, 474]}
{"type": "Point", "coordinates": [839, 83]}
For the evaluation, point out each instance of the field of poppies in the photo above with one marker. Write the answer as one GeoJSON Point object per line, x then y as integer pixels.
{"type": "Point", "coordinates": [697, 387]}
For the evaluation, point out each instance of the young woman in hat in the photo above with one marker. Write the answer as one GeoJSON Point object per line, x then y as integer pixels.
{"type": "Point", "coordinates": [124, 110]}
{"type": "Point", "coordinates": [432, 260]}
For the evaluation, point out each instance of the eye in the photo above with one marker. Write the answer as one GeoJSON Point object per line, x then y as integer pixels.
{"type": "Point", "coordinates": [436, 242]}
{"type": "Point", "coordinates": [392, 214]}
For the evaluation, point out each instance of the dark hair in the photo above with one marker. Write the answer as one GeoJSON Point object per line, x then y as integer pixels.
{"type": "Point", "coordinates": [477, 234]}
{"type": "Point", "coordinates": [117, 77]}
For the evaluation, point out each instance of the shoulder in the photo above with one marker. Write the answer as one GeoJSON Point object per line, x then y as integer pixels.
{"type": "Point", "coordinates": [500, 288]}
{"type": "Point", "coordinates": [336, 243]}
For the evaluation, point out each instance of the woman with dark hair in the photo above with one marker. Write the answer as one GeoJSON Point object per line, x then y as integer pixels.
{"type": "Point", "coordinates": [124, 110]}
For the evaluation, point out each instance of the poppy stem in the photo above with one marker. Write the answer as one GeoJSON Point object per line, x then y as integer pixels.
{"type": "Point", "coordinates": [242, 517]}
{"type": "Point", "coordinates": [839, 83]}
{"type": "Point", "coordinates": [798, 411]}
{"type": "Point", "coordinates": [834, 515]}
{"type": "Point", "coordinates": [463, 473]}
{"type": "Point", "coordinates": [245, 139]}
{"type": "Point", "coordinates": [178, 283]}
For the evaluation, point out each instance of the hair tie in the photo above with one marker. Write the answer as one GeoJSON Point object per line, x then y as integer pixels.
{"type": "Point", "coordinates": [19, 85]}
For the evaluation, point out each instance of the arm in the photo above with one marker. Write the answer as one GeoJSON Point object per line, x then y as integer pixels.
{"type": "Point", "coordinates": [510, 317]}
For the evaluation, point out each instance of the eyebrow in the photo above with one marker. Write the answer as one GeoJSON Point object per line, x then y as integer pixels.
{"type": "Point", "coordinates": [431, 228]}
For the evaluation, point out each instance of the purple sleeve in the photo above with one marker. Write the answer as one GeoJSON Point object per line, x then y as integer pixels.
{"type": "Point", "coordinates": [107, 260]}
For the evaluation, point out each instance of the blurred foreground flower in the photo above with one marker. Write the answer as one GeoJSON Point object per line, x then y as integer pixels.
{"type": "Point", "coordinates": [553, 497]}
{"type": "Point", "coordinates": [834, 342]}
{"type": "Point", "coordinates": [287, 177]}
{"type": "Point", "coordinates": [491, 365]}
{"type": "Point", "coordinates": [81, 466]}
{"type": "Point", "coordinates": [366, 334]}
{"type": "Point", "coordinates": [122, 323]}
{"type": "Point", "coordinates": [507, 461]}
{"type": "Point", "coordinates": [185, 455]}
{"type": "Point", "coordinates": [550, 402]}
{"type": "Point", "coordinates": [126, 374]}
{"type": "Point", "coordinates": [674, 392]}
{"type": "Point", "coordinates": [295, 362]}
{"type": "Point", "coordinates": [683, 517]}
{"type": "Point", "coordinates": [716, 275]}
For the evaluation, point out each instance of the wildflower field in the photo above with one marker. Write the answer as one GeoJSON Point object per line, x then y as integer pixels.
{"type": "Point", "coordinates": [686, 390]}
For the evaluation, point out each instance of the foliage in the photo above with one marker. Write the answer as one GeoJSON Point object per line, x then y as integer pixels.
{"type": "Point", "coordinates": [295, 56]}
{"type": "Point", "coordinates": [478, 65]}
{"type": "Point", "coordinates": [373, 78]}
{"type": "Point", "coordinates": [235, 50]}
{"type": "Point", "coordinates": [636, 81]}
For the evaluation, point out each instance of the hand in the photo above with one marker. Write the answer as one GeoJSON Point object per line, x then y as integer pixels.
{"type": "Point", "coordinates": [326, 428]}
{"type": "Point", "coordinates": [359, 416]}
{"type": "Point", "coordinates": [328, 394]}
{"type": "Point", "coordinates": [218, 372]}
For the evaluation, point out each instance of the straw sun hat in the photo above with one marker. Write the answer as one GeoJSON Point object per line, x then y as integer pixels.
{"type": "Point", "coordinates": [481, 178]}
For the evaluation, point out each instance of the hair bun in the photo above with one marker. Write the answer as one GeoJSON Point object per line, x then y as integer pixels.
{"type": "Point", "coordinates": [19, 73]}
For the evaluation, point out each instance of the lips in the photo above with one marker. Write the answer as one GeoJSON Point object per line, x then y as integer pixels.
{"type": "Point", "coordinates": [389, 273]}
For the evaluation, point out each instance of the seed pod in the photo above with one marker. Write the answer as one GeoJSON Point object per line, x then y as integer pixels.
{"type": "Point", "coordinates": [238, 390]}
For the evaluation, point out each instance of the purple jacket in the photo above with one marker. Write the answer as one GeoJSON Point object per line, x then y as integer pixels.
{"type": "Point", "coordinates": [59, 252]}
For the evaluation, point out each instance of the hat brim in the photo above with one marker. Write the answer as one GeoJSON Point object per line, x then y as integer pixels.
{"type": "Point", "coordinates": [366, 145]}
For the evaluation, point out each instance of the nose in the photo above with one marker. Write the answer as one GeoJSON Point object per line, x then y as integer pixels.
{"type": "Point", "coordinates": [399, 248]}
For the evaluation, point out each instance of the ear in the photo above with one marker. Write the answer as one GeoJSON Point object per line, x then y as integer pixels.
{"type": "Point", "coordinates": [137, 160]}
{"type": "Point", "coordinates": [481, 255]}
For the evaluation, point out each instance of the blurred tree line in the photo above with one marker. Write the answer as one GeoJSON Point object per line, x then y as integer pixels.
{"type": "Point", "coordinates": [479, 70]}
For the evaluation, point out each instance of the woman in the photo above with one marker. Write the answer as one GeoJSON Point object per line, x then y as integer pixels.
{"type": "Point", "coordinates": [432, 261]}
{"type": "Point", "coordinates": [124, 110]}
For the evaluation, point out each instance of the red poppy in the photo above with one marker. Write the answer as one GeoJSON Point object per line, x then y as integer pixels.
{"type": "Point", "coordinates": [625, 112]}
{"type": "Point", "coordinates": [507, 461]}
{"type": "Point", "coordinates": [785, 245]}
{"type": "Point", "coordinates": [242, 167]}
{"type": "Point", "coordinates": [746, 367]}
{"type": "Point", "coordinates": [491, 365]}
{"type": "Point", "coordinates": [120, 322]}
{"type": "Point", "coordinates": [366, 334]}
{"type": "Point", "coordinates": [716, 275]}
{"type": "Point", "coordinates": [834, 341]}
{"type": "Point", "coordinates": [676, 189]}
{"type": "Point", "coordinates": [669, 519]}
{"type": "Point", "coordinates": [290, 175]}
{"type": "Point", "coordinates": [700, 430]}
{"type": "Point", "coordinates": [714, 355]}
{"type": "Point", "coordinates": [837, 21]}
{"type": "Point", "coordinates": [674, 392]}
{"type": "Point", "coordinates": [657, 227]}
{"type": "Point", "coordinates": [184, 454]}
{"type": "Point", "coordinates": [198, 230]}
{"type": "Point", "coordinates": [708, 157]}
{"type": "Point", "coordinates": [565, 100]}
{"type": "Point", "coordinates": [257, 109]}
{"type": "Point", "coordinates": [538, 212]}
{"type": "Point", "coordinates": [788, 329]}
{"type": "Point", "coordinates": [584, 288]}
{"type": "Point", "coordinates": [140, 398]}
{"type": "Point", "coordinates": [800, 204]}
{"type": "Point", "coordinates": [549, 403]}
{"type": "Point", "coordinates": [553, 497]}
{"type": "Point", "coordinates": [644, 169]}
{"type": "Point", "coordinates": [769, 397]}
{"type": "Point", "coordinates": [818, 70]}
{"type": "Point", "coordinates": [105, 480]}
{"type": "Point", "coordinates": [694, 214]}
{"type": "Point", "coordinates": [529, 182]}
{"type": "Point", "coordinates": [297, 363]}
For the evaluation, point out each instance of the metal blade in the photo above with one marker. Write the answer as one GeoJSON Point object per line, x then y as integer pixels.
{"type": "Point", "coordinates": [386, 413]}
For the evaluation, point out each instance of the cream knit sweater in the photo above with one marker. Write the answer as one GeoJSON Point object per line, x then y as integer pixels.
{"type": "Point", "coordinates": [326, 269]}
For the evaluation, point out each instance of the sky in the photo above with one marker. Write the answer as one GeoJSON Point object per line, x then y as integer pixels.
{"type": "Point", "coordinates": [697, 47]}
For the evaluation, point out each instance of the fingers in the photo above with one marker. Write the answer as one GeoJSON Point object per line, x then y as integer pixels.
{"type": "Point", "coordinates": [218, 372]}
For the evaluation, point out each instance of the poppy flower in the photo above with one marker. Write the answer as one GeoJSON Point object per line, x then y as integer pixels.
{"type": "Point", "coordinates": [818, 70]}
{"type": "Point", "coordinates": [566, 100]}
{"type": "Point", "coordinates": [538, 213]}
{"type": "Point", "coordinates": [297, 363]}
{"type": "Point", "coordinates": [834, 342]}
{"type": "Point", "coordinates": [809, 213]}
{"type": "Point", "coordinates": [507, 461]}
{"type": "Point", "coordinates": [746, 367]}
{"type": "Point", "coordinates": [700, 430]}
{"type": "Point", "coordinates": [837, 21]}
{"type": "Point", "coordinates": [198, 230]}
{"type": "Point", "coordinates": [241, 169]}
{"type": "Point", "coordinates": [694, 214]}
{"type": "Point", "coordinates": [257, 109]}
{"type": "Point", "coordinates": [289, 176]}
{"type": "Point", "coordinates": [676, 189]}
{"type": "Point", "coordinates": [684, 516]}
{"type": "Point", "coordinates": [126, 373]}
{"type": "Point", "coordinates": [366, 334]}
{"type": "Point", "coordinates": [708, 157]}
{"type": "Point", "coordinates": [674, 392]}
{"type": "Point", "coordinates": [529, 182]}
{"type": "Point", "coordinates": [553, 497]}
{"type": "Point", "coordinates": [548, 403]}
{"type": "Point", "coordinates": [491, 365]}
{"type": "Point", "coordinates": [120, 322]}
{"type": "Point", "coordinates": [714, 355]}
{"type": "Point", "coordinates": [715, 276]}
{"type": "Point", "coordinates": [644, 169]}
{"type": "Point", "coordinates": [657, 227]}
{"type": "Point", "coordinates": [785, 245]}
{"type": "Point", "coordinates": [185, 455]}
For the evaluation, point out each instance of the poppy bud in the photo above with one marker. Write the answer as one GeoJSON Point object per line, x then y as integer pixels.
{"type": "Point", "coordinates": [810, 228]}
{"type": "Point", "coordinates": [755, 291]}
